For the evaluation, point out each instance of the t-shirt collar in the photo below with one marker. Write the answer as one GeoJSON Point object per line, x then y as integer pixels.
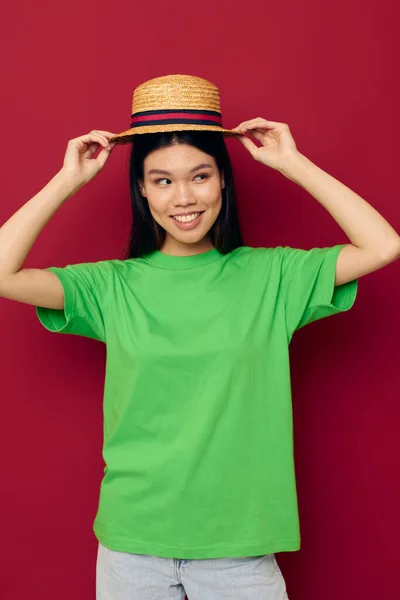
{"type": "Point", "coordinates": [169, 261]}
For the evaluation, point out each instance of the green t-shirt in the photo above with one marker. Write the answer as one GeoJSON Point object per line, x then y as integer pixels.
{"type": "Point", "coordinates": [198, 444]}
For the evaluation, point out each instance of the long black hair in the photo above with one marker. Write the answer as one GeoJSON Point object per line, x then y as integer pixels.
{"type": "Point", "coordinates": [146, 234]}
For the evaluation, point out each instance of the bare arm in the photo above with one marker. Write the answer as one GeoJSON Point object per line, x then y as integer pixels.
{"type": "Point", "coordinates": [18, 234]}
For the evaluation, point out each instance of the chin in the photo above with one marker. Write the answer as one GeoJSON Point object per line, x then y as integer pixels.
{"type": "Point", "coordinates": [189, 237]}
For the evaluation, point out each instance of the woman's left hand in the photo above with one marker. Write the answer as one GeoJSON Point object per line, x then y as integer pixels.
{"type": "Point", "coordinates": [278, 145]}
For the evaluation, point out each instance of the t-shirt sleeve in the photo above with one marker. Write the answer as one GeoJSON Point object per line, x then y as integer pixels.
{"type": "Point", "coordinates": [86, 296]}
{"type": "Point", "coordinates": [308, 286]}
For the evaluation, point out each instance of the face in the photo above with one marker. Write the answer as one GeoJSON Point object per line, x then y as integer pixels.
{"type": "Point", "coordinates": [183, 186]}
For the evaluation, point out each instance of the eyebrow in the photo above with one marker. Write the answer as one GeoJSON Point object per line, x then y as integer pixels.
{"type": "Point", "coordinates": [162, 172]}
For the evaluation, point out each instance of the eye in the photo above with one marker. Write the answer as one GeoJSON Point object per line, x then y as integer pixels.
{"type": "Point", "coordinates": [198, 175]}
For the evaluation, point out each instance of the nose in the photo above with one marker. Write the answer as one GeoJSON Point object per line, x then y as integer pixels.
{"type": "Point", "coordinates": [184, 196]}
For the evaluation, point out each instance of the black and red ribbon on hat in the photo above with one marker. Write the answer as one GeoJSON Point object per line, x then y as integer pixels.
{"type": "Point", "coordinates": [171, 116]}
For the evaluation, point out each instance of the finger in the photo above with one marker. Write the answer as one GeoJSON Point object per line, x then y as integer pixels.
{"type": "Point", "coordinates": [93, 147]}
{"type": "Point", "coordinates": [101, 136]}
{"type": "Point", "coordinates": [91, 150]}
{"type": "Point", "coordinates": [242, 125]}
{"type": "Point", "coordinates": [105, 148]}
{"type": "Point", "coordinates": [106, 133]}
{"type": "Point", "coordinates": [257, 134]}
{"type": "Point", "coordinates": [252, 148]}
{"type": "Point", "coordinates": [88, 138]}
{"type": "Point", "coordinates": [103, 156]}
{"type": "Point", "coordinates": [253, 123]}
{"type": "Point", "coordinates": [93, 136]}
{"type": "Point", "coordinates": [111, 144]}
{"type": "Point", "coordinates": [249, 123]}
{"type": "Point", "coordinates": [260, 122]}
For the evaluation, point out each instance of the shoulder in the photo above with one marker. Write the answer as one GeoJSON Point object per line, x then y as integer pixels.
{"type": "Point", "coordinates": [256, 254]}
{"type": "Point", "coordinates": [283, 253]}
{"type": "Point", "coordinates": [115, 265]}
{"type": "Point", "coordinates": [250, 251]}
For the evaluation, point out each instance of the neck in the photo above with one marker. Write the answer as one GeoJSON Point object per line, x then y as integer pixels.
{"type": "Point", "coordinates": [174, 247]}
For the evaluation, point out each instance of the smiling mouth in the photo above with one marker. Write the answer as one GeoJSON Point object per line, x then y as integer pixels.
{"type": "Point", "coordinates": [187, 218]}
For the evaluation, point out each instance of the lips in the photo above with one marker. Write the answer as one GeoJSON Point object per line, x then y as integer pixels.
{"type": "Point", "coordinates": [188, 224]}
{"type": "Point", "coordinates": [187, 214]}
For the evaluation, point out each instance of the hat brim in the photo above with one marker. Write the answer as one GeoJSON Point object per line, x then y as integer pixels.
{"type": "Point", "coordinates": [128, 136]}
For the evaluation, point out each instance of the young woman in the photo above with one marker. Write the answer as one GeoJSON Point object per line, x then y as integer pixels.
{"type": "Point", "coordinates": [199, 487]}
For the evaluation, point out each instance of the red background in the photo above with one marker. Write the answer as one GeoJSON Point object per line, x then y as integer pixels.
{"type": "Point", "coordinates": [330, 70]}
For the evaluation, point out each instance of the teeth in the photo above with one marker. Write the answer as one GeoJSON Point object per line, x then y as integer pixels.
{"type": "Point", "coordinates": [187, 218]}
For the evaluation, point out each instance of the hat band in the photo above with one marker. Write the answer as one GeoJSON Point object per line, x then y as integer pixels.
{"type": "Point", "coordinates": [168, 117]}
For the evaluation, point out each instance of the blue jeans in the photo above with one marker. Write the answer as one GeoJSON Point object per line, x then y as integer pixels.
{"type": "Point", "coordinates": [126, 576]}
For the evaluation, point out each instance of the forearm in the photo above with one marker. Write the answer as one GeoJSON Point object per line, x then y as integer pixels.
{"type": "Point", "coordinates": [364, 226]}
{"type": "Point", "coordinates": [20, 232]}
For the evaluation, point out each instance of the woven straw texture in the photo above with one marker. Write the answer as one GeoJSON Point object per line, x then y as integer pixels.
{"type": "Point", "coordinates": [173, 92]}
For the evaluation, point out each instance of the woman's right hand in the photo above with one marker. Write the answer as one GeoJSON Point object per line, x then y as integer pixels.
{"type": "Point", "coordinates": [79, 162]}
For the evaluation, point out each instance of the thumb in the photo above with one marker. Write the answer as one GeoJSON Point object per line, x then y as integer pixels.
{"type": "Point", "coordinates": [104, 155]}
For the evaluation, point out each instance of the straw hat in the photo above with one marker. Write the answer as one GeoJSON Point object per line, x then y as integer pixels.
{"type": "Point", "coordinates": [174, 103]}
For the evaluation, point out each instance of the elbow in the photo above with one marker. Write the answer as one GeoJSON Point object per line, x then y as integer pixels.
{"type": "Point", "coordinates": [392, 253]}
